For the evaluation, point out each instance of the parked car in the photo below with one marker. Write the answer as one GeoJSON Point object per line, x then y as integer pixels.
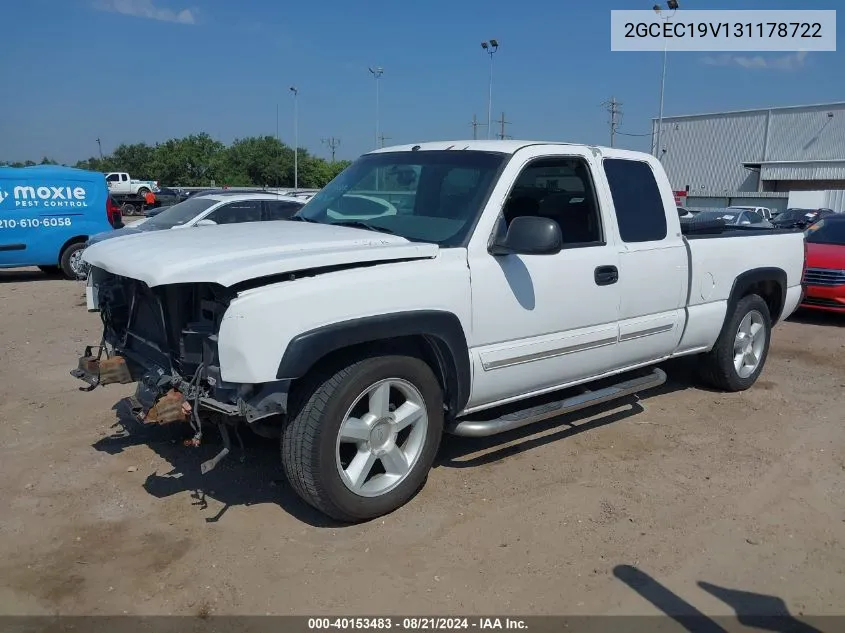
{"type": "Point", "coordinates": [360, 341]}
{"type": "Point", "coordinates": [48, 212]}
{"type": "Point", "coordinates": [824, 277]}
{"type": "Point", "coordinates": [800, 218]}
{"type": "Point", "coordinates": [736, 217]}
{"type": "Point", "coordinates": [166, 197]}
{"type": "Point", "coordinates": [208, 209]}
{"type": "Point", "coordinates": [766, 212]}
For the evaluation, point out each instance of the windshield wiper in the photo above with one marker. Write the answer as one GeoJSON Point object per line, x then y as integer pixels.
{"type": "Point", "coordinates": [358, 224]}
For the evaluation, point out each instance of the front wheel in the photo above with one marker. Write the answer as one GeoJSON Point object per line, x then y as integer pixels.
{"type": "Point", "coordinates": [362, 439]}
{"type": "Point", "coordinates": [738, 357]}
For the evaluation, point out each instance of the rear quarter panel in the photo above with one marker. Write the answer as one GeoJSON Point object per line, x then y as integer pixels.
{"type": "Point", "coordinates": [43, 209]}
{"type": "Point", "coordinates": [717, 262]}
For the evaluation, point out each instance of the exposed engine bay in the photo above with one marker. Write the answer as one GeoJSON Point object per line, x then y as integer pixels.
{"type": "Point", "coordinates": [165, 339]}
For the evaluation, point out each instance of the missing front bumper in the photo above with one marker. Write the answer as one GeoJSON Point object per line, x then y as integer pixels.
{"type": "Point", "coordinates": [95, 370]}
{"type": "Point", "coordinates": [163, 398]}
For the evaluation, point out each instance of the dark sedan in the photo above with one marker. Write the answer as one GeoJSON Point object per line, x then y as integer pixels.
{"type": "Point", "coordinates": [800, 218]}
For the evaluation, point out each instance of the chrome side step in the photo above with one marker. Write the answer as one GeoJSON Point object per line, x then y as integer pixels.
{"type": "Point", "coordinates": [467, 427]}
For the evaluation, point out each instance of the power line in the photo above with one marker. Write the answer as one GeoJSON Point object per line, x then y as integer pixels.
{"type": "Point", "coordinates": [614, 108]}
{"type": "Point", "coordinates": [332, 144]}
{"type": "Point", "coordinates": [475, 125]}
{"type": "Point", "coordinates": [502, 122]}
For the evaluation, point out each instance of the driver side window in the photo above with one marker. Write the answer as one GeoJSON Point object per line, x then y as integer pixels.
{"type": "Point", "coordinates": [560, 189]}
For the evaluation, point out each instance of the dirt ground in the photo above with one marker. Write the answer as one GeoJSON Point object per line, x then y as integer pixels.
{"type": "Point", "coordinates": [688, 499]}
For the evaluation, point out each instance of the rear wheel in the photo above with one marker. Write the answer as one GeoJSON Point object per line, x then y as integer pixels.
{"type": "Point", "coordinates": [71, 261]}
{"type": "Point", "coordinates": [363, 437]}
{"type": "Point", "coordinates": [128, 209]}
{"type": "Point", "coordinates": [143, 191]}
{"type": "Point", "coordinates": [738, 357]}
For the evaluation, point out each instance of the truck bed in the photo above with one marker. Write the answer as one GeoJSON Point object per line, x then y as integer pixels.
{"type": "Point", "coordinates": [717, 261]}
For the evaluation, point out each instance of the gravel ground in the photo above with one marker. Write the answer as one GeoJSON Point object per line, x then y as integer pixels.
{"type": "Point", "coordinates": [717, 502]}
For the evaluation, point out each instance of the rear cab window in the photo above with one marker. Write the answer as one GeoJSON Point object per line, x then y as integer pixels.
{"type": "Point", "coordinates": [636, 200]}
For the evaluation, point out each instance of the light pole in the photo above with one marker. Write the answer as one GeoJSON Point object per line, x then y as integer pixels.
{"type": "Point", "coordinates": [673, 7]}
{"type": "Point", "coordinates": [100, 147]}
{"type": "Point", "coordinates": [295, 92]}
{"type": "Point", "coordinates": [490, 47]}
{"type": "Point", "coordinates": [377, 72]}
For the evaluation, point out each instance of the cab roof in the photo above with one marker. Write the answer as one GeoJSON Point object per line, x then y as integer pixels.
{"type": "Point", "coordinates": [500, 146]}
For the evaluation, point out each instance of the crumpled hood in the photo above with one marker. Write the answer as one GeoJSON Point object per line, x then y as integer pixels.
{"type": "Point", "coordinates": [230, 254]}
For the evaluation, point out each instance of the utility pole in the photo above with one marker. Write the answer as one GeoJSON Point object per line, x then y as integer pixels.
{"type": "Point", "coordinates": [673, 7]}
{"type": "Point", "coordinates": [332, 144]}
{"type": "Point", "coordinates": [295, 92]}
{"type": "Point", "coordinates": [382, 138]}
{"type": "Point", "coordinates": [502, 122]}
{"type": "Point", "coordinates": [475, 125]}
{"type": "Point", "coordinates": [490, 48]}
{"type": "Point", "coordinates": [614, 107]}
{"type": "Point", "coordinates": [377, 72]}
{"type": "Point", "coordinates": [100, 146]}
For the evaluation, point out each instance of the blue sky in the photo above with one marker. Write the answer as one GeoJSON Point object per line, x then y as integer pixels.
{"type": "Point", "coordinates": [148, 70]}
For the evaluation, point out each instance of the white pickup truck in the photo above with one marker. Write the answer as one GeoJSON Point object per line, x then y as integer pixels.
{"type": "Point", "coordinates": [519, 270]}
{"type": "Point", "coordinates": [121, 184]}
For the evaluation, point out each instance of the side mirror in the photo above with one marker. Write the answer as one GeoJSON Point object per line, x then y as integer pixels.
{"type": "Point", "coordinates": [529, 235]}
{"type": "Point", "coordinates": [206, 223]}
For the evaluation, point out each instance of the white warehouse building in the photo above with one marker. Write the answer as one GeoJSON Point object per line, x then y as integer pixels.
{"type": "Point", "coordinates": [754, 156]}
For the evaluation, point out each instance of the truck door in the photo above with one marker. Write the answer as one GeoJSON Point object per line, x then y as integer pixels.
{"type": "Point", "coordinates": [542, 321]}
{"type": "Point", "coordinates": [113, 182]}
{"type": "Point", "coordinates": [653, 262]}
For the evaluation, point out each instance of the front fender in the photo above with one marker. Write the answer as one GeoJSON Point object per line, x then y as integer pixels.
{"type": "Point", "coordinates": [261, 323]}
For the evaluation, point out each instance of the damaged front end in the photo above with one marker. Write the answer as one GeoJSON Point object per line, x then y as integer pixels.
{"type": "Point", "coordinates": [165, 340]}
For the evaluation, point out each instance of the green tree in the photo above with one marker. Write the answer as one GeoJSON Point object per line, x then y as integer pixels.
{"type": "Point", "coordinates": [199, 160]}
{"type": "Point", "coordinates": [190, 161]}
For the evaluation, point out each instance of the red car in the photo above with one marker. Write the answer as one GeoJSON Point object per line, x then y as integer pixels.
{"type": "Point", "coordinates": [824, 275]}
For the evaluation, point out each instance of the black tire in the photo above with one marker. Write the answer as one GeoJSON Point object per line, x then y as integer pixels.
{"type": "Point", "coordinates": [143, 191]}
{"type": "Point", "coordinates": [66, 259]}
{"type": "Point", "coordinates": [50, 270]}
{"type": "Point", "coordinates": [717, 366]}
{"type": "Point", "coordinates": [128, 209]}
{"type": "Point", "coordinates": [309, 439]}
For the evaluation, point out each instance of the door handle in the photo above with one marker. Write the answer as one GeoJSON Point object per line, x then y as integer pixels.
{"type": "Point", "coordinates": [606, 275]}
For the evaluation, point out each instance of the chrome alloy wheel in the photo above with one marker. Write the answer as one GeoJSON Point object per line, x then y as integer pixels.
{"type": "Point", "coordinates": [381, 437]}
{"type": "Point", "coordinates": [749, 344]}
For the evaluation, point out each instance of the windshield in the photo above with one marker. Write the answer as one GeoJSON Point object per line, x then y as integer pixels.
{"type": "Point", "coordinates": [827, 231]}
{"type": "Point", "coordinates": [428, 196]}
{"type": "Point", "coordinates": [180, 214]}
